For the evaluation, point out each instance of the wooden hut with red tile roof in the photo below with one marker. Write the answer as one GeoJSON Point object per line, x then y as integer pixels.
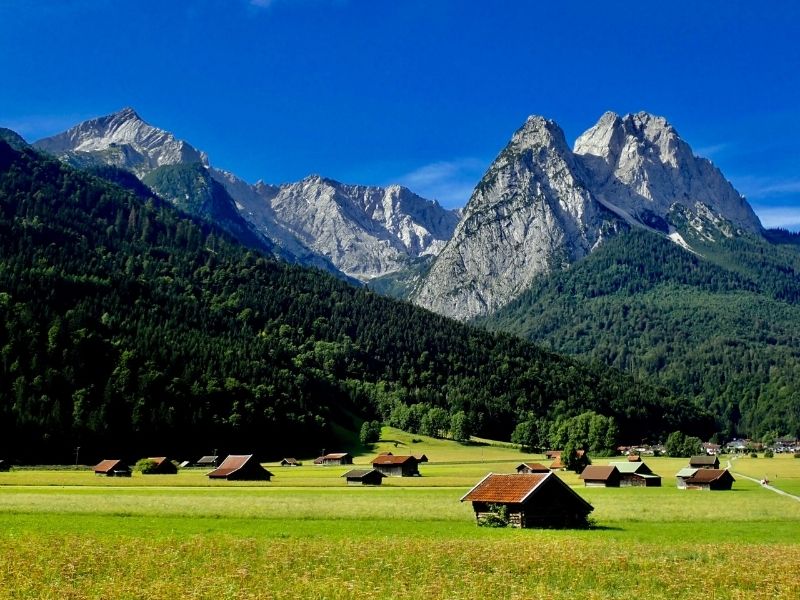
{"type": "Point", "coordinates": [240, 467]}
{"type": "Point", "coordinates": [704, 462]}
{"type": "Point", "coordinates": [396, 466]}
{"type": "Point", "coordinates": [112, 468]}
{"type": "Point", "coordinates": [161, 466]}
{"type": "Point", "coordinates": [600, 476]}
{"type": "Point", "coordinates": [532, 468]}
{"type": "Point", "coordinates": [531, 500]}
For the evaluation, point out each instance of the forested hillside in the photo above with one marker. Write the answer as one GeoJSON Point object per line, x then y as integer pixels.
{"type": "Point", "coordinates": [127, 327]}
{"type": "Point", "coordinates": [721, 326]}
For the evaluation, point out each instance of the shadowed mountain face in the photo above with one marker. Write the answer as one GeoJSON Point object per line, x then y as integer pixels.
{"type": "Point", "coordinates": [541, 207]}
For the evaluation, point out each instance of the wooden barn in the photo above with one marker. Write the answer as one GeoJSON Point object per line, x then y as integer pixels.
{"type": "Point", "coordinates": [112, 468]}
{"type": "Point", "coordinates": [335, 458]}
{"type": "Point", "coordinates": [240, 467]}
{"type": "Point", "coordinates": [290, 462]}
{"type": "Point", "coordinates": [704, 462]}
{"type": "Point", "coordinates": [636, 474]}
{"type": "Point", "coordinates": [600, 476]}
{"type": "Point", "coordinates": [396, 466]}
{"type": "Point", "coordinates": [207, 461]}
{"type": "Point", "coordinates": [162, 466]}
{"type": "Point", "coordinates": [532, 468]}
{"type": "Point", "coordinates": [364, 477]}
{"type": "Point", "coordinates": [705, 479]}
{"type": "Point", "coordinates": [552, 454]}
{"type": "Point", "coordinates": [531, 499]}
{"type": "Point", "coordinates": [421, 458]}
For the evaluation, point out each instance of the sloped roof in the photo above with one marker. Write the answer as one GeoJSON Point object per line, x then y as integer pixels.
{"type": "Point", "coordinates": [335, 455]}
{"type": "Point", "coordinates": [703, 460]}
{"type": "Point", "coordinates": [517, 488]}
{"type": "Point", "coordinates": [231, 464]}
{"type": "Point", "coordinates": [686, 472]}
{"type": "Point", "coordinates": [512, 488]}
{"type": "Point", "coordinates": [708, 475]}
{"type": "Point", "coordinates": [104, 466]}
{"type": "Point", "coordinates": [390, 459]}
{"type": "Point", "coordinates": [534, 467]}
{"type": "Point", "coordinates": [639, 468]}
{"type": "Point", "coordinates": [361, 473]}
{"type": "Point", "coordinates": [598, 472]}
{"type": "Point", "coordinates": [157, 459]}
{"type": "Point", "coordinates": [207, 460]}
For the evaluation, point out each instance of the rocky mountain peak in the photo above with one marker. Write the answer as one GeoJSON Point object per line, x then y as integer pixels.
{"type": "Point", "coordinates": [124, 140]}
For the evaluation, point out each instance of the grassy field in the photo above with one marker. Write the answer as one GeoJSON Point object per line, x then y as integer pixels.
{"type": "Point", "coordinates": [67, 534]}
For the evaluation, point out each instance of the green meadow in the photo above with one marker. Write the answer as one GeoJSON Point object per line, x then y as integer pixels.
{"type": "Point", "coordinates": [68, 534]}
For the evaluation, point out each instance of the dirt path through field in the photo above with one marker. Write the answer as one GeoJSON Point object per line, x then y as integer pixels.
{"type": "Point", "coordinates": [766, 486]}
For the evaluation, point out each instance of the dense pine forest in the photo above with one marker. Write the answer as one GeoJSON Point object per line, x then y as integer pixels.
{"type": "Point", "coordinates": [128, 328]}
{"type": "Point", "coordinates": [721, 326]}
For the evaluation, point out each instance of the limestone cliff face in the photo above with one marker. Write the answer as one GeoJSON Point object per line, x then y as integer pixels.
{"type": "Point", "coordinates": [639, 166]}
{"type": "Point", "coordinates": [540, 207]}
{"type": "Point", "coordinates": [365, 231]}
{"type": "Point", "coordinates": [530, 214]}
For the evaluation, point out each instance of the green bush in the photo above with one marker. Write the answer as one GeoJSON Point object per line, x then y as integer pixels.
{"type": "Point", "coordinates": [753, 455]}
{"type": "Point", "coordinates": [797, 454]}
{"type": "Point", "coordinates": [768, 454]}
{"type": "Point", "coordinates": [497, 517]}
{"type": "Point", "coordinates": [145, 466]}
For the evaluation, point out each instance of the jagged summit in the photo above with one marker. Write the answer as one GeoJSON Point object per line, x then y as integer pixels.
{"type": "Point", "coordinates": [541, 206]}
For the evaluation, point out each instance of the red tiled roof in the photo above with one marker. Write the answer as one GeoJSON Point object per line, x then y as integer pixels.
{"type": "Point", "coordinates": [598, 472]}
{"type": "Point", "coordinates": [389, 459]}
{"type": "Point", "coordinates": [506, 488]}
{"type": "Point", "coordinates": [104, 466]}
{"type": "Point", "coordinates": [231, 464]}
{"type": "Point", "coordinates": [707, 475]}
{"type": "Point", "coordinates": [336, 455]}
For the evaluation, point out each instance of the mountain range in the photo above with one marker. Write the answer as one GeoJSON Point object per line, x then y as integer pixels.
{"type": "Point", "coordinates": [626, 248]}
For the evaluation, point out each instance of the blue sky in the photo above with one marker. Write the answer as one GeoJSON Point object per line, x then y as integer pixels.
{"type": "Point", "coordinates": [424, 93]}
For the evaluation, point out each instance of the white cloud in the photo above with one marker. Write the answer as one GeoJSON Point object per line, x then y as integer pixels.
{"type": "Point", "coordinates": [449, 182]}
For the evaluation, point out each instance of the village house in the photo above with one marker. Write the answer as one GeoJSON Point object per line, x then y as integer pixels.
{"type": "Point", "coordinates": [240, 467]}
{"type": "Point", "coordinates": [704, 479]}
{"type": "Point", "coordinates": [396, 466]}
{"type": "Point", "coordinates": [636, 474]}
{"type": "Point", "coordinates": [112, 468]}
{"type": "Point", "coordinates": [704, 462]}
{"type": "Point", "coordinates": [335, 458]}
{"type": "Point", "coordinates": [289, 462]}
{"type": "Point", "coordinates": [364, 477]}
{"type": "Point", "coordinates": [600, 476]}
{"type": "Point", "coordinates": [530, 499]}
{"type": "Point", "coordinates": [162, 466]}
{"type": "Point", "coordinates": [532, 468]}
{"type": "Point", "coordinates": [711, 449]}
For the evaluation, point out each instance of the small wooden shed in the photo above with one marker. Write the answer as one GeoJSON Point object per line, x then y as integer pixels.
{"type": "Point", "coordinates": [636, 474]}
{"type": "Point", "coordinates": [709, 479]}
{"type": "Point", "coordinates": [162, 466]}
{"type": "Point", "coordinates": [112, 468]}
{"type": "Point", "coordinates": [532, 468]}
{"type": "Point", "coordinates": [364, 477]}
{"type": "Point", "coordinates": [240, 467]}
{"type": "Point", "coordinates": [290, 462]}
{"type": "Point", "coordinates": [704, 462]}
{"type": "Point", "coordinates": [422, 458]}
{"type": "Point", "coordinates": [396, 466]}
{"type": "Point", "coordinates": [207, 461]}
{"type": "Point", "coordinates": [531, 500]}
{"type": "Point", "coordinates": [600, 476]}
{"type": "Point", "coordinates": [335, 458]}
